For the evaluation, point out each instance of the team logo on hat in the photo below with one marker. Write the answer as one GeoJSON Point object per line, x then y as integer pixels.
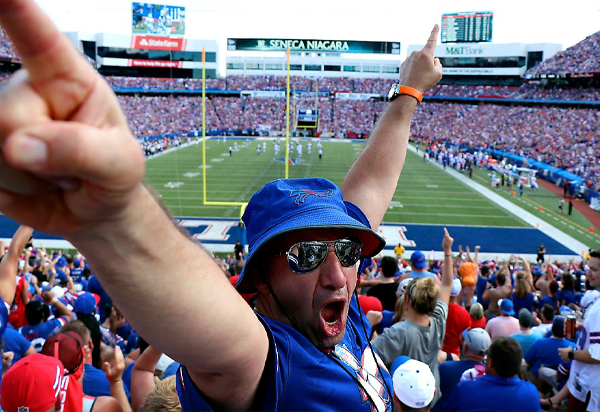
{"type": "Point", "coordinates": [302, 195]}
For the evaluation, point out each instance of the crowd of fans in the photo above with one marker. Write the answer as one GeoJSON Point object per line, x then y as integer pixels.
{"type": "Point", "coordinates": [525, 317]}
{"type": "Point", "coordinates": [6, 47]}
{"type": "Point", "coordinates": [555, 92]}
{"type": "Point", "coordinates": [63, 326]}
{"type": "Point", "coordinates": [532, 310]}
{"type": "Point", "coordinates": [580, 58]}
{"type": "Point", "coordinates": [564, 138]}
{"type": "Point", "coordinates": [472, 91]}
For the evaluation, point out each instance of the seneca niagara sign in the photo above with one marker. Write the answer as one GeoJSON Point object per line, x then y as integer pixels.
{"type": "Point", "coordinates": [311, 45]}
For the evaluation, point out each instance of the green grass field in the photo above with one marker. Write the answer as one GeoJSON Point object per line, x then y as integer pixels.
{"type": "Point", "coordinates": [425, 194]}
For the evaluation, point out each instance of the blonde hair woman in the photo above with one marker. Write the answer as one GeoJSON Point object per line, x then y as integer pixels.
{"type": "Point", "coordinates": [421, 334]}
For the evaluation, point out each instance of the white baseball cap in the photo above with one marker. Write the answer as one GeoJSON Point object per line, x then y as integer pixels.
{"type": "Point", "coordinates": [400, 291]}
{"type": "Point", "coordinates": [414, 384]}
{"type": "Point", "coordinates": [456, 287]}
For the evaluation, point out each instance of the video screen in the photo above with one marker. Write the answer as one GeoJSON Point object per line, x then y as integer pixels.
{"type": "Point", "coordinates": [158, 19]}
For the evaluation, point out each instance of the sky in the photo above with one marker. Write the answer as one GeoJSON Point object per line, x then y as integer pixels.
{"type": "Point", "coordinates": [410, 22]}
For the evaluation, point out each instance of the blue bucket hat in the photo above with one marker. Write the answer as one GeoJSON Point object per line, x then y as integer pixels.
{"type": "Point", "coordinates": [290, 205]}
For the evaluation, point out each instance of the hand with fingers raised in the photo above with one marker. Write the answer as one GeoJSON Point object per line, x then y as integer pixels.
{"type": "Point", "coordinates": [62, 133]}
{"type": "Point", "coordinates": [421, 70]}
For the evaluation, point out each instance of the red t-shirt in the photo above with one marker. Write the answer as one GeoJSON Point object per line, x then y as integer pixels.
{"type": "Point", "coordinates": [458, 320]}
{"type": "Point", "coordinates": [478, 323]}
{"type": "Point", "coordinates": [17, 310]}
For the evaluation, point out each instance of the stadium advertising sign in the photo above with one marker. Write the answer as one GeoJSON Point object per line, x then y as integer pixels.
{"type": "Point", "coordinates": [463, 50]}
{"type": "Point", "coordinates": [155, 63]}
{"type": "Point", "coordinates": [308, 45]}
{"type": "Point", "coordinates": [158, 19]}
{"type": "Point", "coordinates": [157, 43]}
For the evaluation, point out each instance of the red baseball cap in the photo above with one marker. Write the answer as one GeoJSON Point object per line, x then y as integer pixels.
{"type": "Point", "coordinates": [369, 303]}
{"type": "Point", "coordinates": [32, 384]}
{"type": "Point", "coordinates": [69, 350]}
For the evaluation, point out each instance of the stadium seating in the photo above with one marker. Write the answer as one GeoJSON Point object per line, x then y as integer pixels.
{"type": "Point", "coordinates": [7, 50]}
{"type": "Point", "coordinates": [580, 58]}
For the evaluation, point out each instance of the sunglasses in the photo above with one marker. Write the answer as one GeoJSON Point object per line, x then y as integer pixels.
{"type": "Point", "coordinates": [304, 257]}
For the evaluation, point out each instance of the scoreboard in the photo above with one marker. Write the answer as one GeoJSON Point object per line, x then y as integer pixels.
{"type": "Point", "coordinates": [469, 27]}
{"type": "Point", "coordinates": [308, 118]}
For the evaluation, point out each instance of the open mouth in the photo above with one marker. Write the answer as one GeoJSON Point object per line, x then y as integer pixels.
{"type": "Point", "coordinates": [332, 315]}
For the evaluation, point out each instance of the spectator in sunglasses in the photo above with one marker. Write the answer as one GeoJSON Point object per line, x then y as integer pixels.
{"type": "Point", "coordinates": [305, 346]}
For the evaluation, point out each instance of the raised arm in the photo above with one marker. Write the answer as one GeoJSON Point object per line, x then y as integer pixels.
{"type": "Point", "coordinates": [387, 145]}
{"type": "Point", "coordinates": [142, 377]}
{"type": "Point", "coordinates": [527, 271]}
{"type": "Point", "coordinates": [447, 270]}
{"type": "Point", "coordinates": [10, 263]}
{"type": "Point", "coordinates": [60, 118]}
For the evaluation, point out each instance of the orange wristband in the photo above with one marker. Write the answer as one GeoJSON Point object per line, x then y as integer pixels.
{"type": "Point", "coordinates": [411, 91]}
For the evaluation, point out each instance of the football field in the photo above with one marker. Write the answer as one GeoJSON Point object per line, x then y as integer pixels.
{"type": "Point", "coordinates": [425, 194]}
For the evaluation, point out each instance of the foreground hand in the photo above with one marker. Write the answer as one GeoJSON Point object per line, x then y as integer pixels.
{"type": "Point", "coordinates": [7, 358]}
{"type": "Point", "coordinates": [564, 354]}
{"type": "Point", "coordinates": [374, 317]}
{"type": "Point", "coordinates": [421, 70]}
{"type": "Point", "coordinates": [447, 242]}
{"type": "Point", "coordinates": [68, 158]}
{"type": "Point", "coordinates": [114, 369]}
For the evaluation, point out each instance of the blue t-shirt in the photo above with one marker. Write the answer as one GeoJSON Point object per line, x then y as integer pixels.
{"type": "Point", "coordinates": [3, 317]}
{"type": "Point", "coordinates": [418, 275]}
{"type": "Point", "coordinates": [16, 343]}
{"type": "Point", "coordinates": [171, 370]}
{"type": "Point", "coordinates": [127, 375]}
{"type": "Point", "coordinates": [549, 300]}
{"type": "Point", "coordinates": [37, 334]}
{"type": "Point", "coordinates": [94, 286]}
{"type": "Point", "coordinates": [567, 295]}
{"type": "Point", "coordinates": [490, 393]}
{"type": "Point", "coordinates": [481, 285]}
{"type": "Point", "coordinates": [526, 340]}
{"type": "Point", "coordinates": [450, 374]}
{"type": "Point", "coordinates": [544, 352]}
{"type": "Point", "coordinates": [386, 321]}
{"type": "Point", "coordinates": [299, 376]}
{"type": "Point", "coordinates": [525, 303]}
{"type": "Point", "coordinates": [95, 382]}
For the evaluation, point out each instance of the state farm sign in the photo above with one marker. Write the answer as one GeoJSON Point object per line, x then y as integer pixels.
{"type": "Point", "coordinates": [157, 43]}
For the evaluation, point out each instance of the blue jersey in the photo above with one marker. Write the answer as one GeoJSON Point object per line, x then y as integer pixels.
{"type": "Point", "coordinates": [299, 376]}
{"type": "Point", "coordinates": [16, 343]}
{"type": "Point", "coordinates": [37, 334]}
{"type": "Point", "coordinates": [96, 384]}
{"type": "Point", "coordinates": [94, 286]}
{"type": "Point", "coordinates": [77, 275]}
{"type": "Point", "coordinates": [492, 393]}
{"type": "Point", "coordinates": [544, 352]}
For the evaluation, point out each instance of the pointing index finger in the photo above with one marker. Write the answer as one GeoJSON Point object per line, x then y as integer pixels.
{"type": "Point", "coordinates": [42, 47]}
{"type": "Point", "coordinates": [432, 41]}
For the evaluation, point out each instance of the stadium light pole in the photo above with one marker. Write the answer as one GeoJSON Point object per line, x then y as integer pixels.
{"type": "Point", "coordinates": [287, 117]}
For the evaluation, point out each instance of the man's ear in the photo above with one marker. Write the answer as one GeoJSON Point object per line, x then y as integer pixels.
{"type": "Point", "coordinates": [259, 275]}
{"type": "Point", "coordinates": [260, 280]}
